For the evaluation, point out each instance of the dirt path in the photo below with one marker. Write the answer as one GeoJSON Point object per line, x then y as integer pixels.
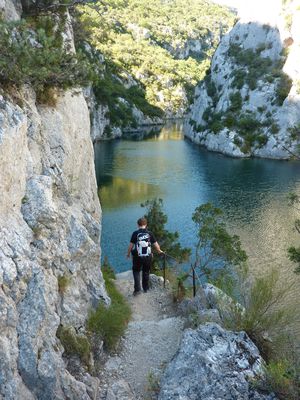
{"type": "Point", "coordinates": [150, 341]}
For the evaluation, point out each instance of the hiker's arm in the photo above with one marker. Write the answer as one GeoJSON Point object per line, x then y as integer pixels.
{"type": "Point", "coordinates": [129, 249]}
{"type": "Point", "coordinates": [157, 247]}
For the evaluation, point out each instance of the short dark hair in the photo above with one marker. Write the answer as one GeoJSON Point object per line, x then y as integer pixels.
{"type": "Point", "coordinates": [142, 221]}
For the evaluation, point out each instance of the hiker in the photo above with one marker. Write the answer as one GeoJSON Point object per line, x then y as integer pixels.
{"type": "Point", "coordinates": [140, 248]}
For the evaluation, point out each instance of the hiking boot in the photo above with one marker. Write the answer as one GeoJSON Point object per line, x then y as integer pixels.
{"type": "Point", "coordinates": [137, 292]}
{"type": "Point", "coordinates": [145, 290]}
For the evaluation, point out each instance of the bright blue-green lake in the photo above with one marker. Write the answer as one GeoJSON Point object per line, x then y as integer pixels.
{"type": "Point", "coordinates": [251, 192]}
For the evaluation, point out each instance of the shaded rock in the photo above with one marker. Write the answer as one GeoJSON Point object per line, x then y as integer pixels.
{"type": "Point", "coordinates": [213, 364]}
{"type": "Point", "coordinates": [120, 390]}
{"type": "Point", "coordinates": [193, 305]}
{"type": "Point", "coordinates": [156, 281]}
{"type": "Point", "coordinates": [219, 300]}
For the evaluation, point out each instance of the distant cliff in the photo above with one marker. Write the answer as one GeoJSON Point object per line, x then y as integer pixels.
{"type": "Point", "coordinates": [154, 53]}
{"type": "Point", "coordinates": [249, 102]}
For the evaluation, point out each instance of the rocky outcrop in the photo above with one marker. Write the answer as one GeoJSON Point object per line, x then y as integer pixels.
{"type": "Point", "coordinates": [50, 227]}
{"type": "Point", "coordinates": [249, 103]}
{"type": "Point", "coordinates": [49, 243]}
{"type": "Point", "coordinates": [211, 364]}
{"type": "Point", "coordinates": [10, 10]}
{"type": "Point", "coordinates": [101, 126]}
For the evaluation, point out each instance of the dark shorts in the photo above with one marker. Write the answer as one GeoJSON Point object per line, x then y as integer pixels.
{"type": "Point", "coordinates": [141, 263]}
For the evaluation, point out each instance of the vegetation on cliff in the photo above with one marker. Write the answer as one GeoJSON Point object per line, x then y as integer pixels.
{"type": "Point", "coordinates": [34, 52]}
{"type": "Point", "coordinates": [165, 46]}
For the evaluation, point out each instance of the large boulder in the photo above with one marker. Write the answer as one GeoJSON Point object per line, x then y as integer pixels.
{"type": "Point", "coordinates": [213, 364]}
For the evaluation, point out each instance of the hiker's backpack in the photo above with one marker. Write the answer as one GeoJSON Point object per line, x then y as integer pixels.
{"type": "Point", "coordinates": [143, 244]}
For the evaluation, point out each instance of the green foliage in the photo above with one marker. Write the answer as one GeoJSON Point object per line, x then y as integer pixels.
{"type": "Point", "coordinates": [239, 78]}
{"type": "Point", "coordinates": [294, 132]}
{"type": "Point", "coordinates": [294, 255]}
{"type": "Point", "coordinates": [110, 88]}
{"type": "Point", "coordinates": [252, 66]}
{"type": "Point", "coordinates": [107, 270]}
{"type": "Point", "coordinates": [283, 88]}
{"type": "Point", "coordinates": [262, 308]}
{"type": "Point", "coordinates": [235, 102]}
{"type": "Point", "coordinates": [63, 282]}
{"type": "Point", "coordinates": [153, 384]}
{"type": "Point", "coordinates": [274, 128]}
{"type": "Point", "coordinates": [261, 140]}
{"type": "Point", "coordinates": [216, 249]}
{"type": "Point", "coordinates": [282, 378]}
{"type": "Point", "coordinates": [169, 241]}
{"type": "Point", "coordinates": [268, 323]}
{"type": "Point", "coordinates": [143, 37]}
{"type": "Point", "coordinates": [110, 322]}
{"type": "Point", "coordinates": [74, 344]}
{"type": "Point", "coordinates": [39, 58]}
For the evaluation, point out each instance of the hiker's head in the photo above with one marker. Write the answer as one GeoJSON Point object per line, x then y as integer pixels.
{"type": "Point", "coordinates": [142, 222]}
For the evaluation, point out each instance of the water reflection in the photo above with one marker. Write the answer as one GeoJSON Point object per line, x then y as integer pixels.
{"type": "Point", "coordinates": [117, 192]}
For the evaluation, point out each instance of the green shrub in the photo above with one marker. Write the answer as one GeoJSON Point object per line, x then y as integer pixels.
{"type": "Point", "coordinates": [248, 124]}
{"type": "Point", "coordinates": [283, 88]}
{"type": "Point", "coordinates": [236, 101]}
{"type": "Point", "coordinates": [39, 58]}
{"type": "Point", "coordinates": [264, 312]}
{"type": "Point", "coordinates": [261, 140]}
{"type": "Point", "coordinates": [200, 128]}
{"type": "Point", "coordinates": [63, 282]}
{"type": "Point", "coordinates": [261, 109]}
{"type": "Point", "coordinates": [294, 132]}
{"type": "Point", "coordinates": [211, 89]}
{"type": "Point", "coordinates": [206, 114]}
{"type": "Point", "coordinates": [282, 378]}
{"type": "Point", "coordinates": [107, 270]}
{"type": "Point", "coordinates": [274, 128]}
{"type": "Point", "coordinates": [74, 344]}
{"type": "Point", "coordinates": [237, 141]}
{"type": "Point", "coordinates": [230, 120]}
{"type": "Point", "coordinates": [216, 126]}
{"type": "Point", "coordinates": [239, 78]}
{"type": "Point", "coordinates": [110, 322]}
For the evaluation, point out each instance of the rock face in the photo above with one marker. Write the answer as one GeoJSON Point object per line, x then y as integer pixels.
{"type": "Point", "coordinates": [101, 127]}
{"type": "Point", "coordinates": [213, 364]}
{"type": "Point", "coordinates": [249, 103]}
{"type": "Point", "coordinates": [49, 243]}
{"type": "Point", "coordinates": [10, 10]}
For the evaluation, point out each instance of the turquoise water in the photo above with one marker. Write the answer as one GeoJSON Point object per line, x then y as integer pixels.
{"type": "Point", "coordinates": [251, 192]}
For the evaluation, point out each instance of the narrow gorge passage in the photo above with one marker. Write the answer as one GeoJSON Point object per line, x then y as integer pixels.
{"type": "Point", "coordinates": [150, 341]}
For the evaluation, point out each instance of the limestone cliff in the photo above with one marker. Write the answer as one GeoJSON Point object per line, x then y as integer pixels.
{"type": "Point", "coordinates": [249, 103]}
{"type": "Point", "coordinates": [49, 241]}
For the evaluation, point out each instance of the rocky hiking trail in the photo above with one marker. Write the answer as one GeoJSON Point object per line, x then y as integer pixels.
{"type": "Point", "coordinates": [152, 338]}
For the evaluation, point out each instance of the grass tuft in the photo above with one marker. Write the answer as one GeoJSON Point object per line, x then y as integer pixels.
{"type": "Point", "coordinates": [110, 322]}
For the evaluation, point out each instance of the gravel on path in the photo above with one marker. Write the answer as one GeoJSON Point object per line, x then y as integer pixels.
{"type": "Point", "coordinates": [150, 342]}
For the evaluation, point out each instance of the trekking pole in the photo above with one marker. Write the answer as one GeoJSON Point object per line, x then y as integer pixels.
{"type": "Point", "coordinates": [194, 281]}
{"type": "Point", "coordinates": [165, 257]}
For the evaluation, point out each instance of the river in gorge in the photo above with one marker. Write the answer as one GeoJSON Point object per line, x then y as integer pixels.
{"type": "Point", "coordinates": [251, 192]}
